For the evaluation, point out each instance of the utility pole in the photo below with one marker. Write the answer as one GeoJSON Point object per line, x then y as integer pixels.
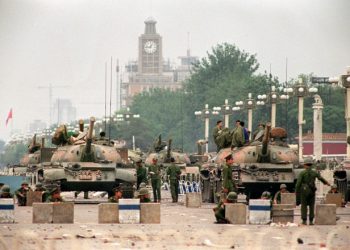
{"type": "Point", "coordinates": [50, 87]}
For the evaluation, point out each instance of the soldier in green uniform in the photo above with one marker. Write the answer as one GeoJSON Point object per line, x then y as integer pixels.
{"type": "Point", "coordinates": [217, 131]}
{"type": "Point", "coordinates": [306, 189]}
{"type": "Point", "coordinates": [277, 198]}
{"type": "Point", "coordinates": [219, 211]}
{"type": "Point", "coordinates": [174, 173]}
{"type": "Point", "coordinates": [228, 184]}
{"type": "Point", "coordinates": [21, 194]}
{"type": "Point", "coordinates": [54, 196]}
{"type": "Point", "coordinates": [144, 195]}
{"type": "Point", "coordinates": [117, 195]}
{"type": "Point", "coordinates": [154, 171]}
{"type": "Point", "coordinates": [141, 173]}
{"type": "Point", "coordinates": [237, 136]}
{"type": "Point", "coordinates": [5, 192]}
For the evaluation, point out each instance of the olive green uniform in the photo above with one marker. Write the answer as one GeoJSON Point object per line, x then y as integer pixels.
{"type": "Point", "coordinates": [228, 182]}
{"type": "Point", "coordinates": [306, 189]}
{"type": "Point", "coordinates": [145, 200]}
{"type": "Point", "coordinates": [51, 199]}
{"type": "Point", "coordinates": [141, 173]}
{"type": "Point", "coordinates": [155, 181]}
{"type": "Point", "coordinates": [6, 195]}
{"type": "Point", "coordinates": [174, 173]}
{"type": "Point", "coordinates": [237, 137]}
{"type": "Point", "coordinates": [220, 213]}
{"type": "Point", "coordinates": [21, 195]}
{"type": "Point", "coordinates": [216, 133]}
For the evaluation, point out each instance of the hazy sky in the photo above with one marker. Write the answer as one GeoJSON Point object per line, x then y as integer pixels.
{"type": "Point", "coordinates": [67, 42]}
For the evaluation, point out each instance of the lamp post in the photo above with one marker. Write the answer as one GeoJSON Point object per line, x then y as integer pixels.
{"type": "Point", "coordinates": [127, 116]}
{"type": "Point", "coordinates": [226, 109]}
{"type": "Point", "coordinates": [205, 113]}
{"type": "Point", "coordinates": [301, 91]}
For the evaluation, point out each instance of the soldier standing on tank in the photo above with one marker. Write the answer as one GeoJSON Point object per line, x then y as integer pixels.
{"type": "Point", "coordinates": [174, 173]}
{"type": "Point", "coordinates": [217, 131]}
{"type": "Point", "coordinates": [5, 192]}
{"type": "Point", "coordinates": [228, 184]}
{"type": "Point", "coordinates": [141, 173]}
{"type": "Point", "coordinates": [154, 171]}
{"type": "Point", "coordinates": [237, 136]}
{"type": "Point", "coordinates": [306, 190]}
{"type": "Point", "coordinates": [219, 211]}
{"type": "Point", "coordinates": [283, 190]}
{"type": "Point", "coordinates": [21, 194]}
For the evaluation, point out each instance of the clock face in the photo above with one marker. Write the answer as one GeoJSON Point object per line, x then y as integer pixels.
{"type": "Point", "coordinates": [150, 47]}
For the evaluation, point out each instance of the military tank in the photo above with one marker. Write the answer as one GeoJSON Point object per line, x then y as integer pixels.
{"type": "Point", "coordinates": [262, 165]}
{"type": "Point", "coordinates": [81, 165]}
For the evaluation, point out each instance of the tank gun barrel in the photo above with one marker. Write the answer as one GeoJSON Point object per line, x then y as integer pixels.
{"type": "Point", "coordinates": [168, 153]}
{"type": "Point", "coordinates": [81, 125]}
{"type": "Point", "coordinates": [89, 135]}
{"type": "Point", "coordinates": [266, 138]}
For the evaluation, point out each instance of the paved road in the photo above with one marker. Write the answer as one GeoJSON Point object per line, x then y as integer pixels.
{"type": "Point", "coordinates": [180, 228]}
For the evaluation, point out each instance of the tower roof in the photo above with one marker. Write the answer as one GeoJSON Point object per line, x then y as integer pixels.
{"type": "Point", "coordinates": [150, 19]}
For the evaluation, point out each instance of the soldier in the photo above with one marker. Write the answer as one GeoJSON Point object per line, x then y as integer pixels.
{"type": "Point", "coordinates": [306, 189]}
{"type": "Point", "coordinates": [217, 131]}
{"type": "Point", "coordinates": [154, 171]}
{"type": "Point", "coordinates": [220, 209]}
{"type": "Point", "coordinates": [39, 187]}
{"type": "Point", "coordinates": [334, 189]}
{"type": "Point", "coordinates": [117, 195]}
{"type": "Point", "coordinates": [228, 183]}
{"type": "Point", "coordinates": [21, 194]}
{"type": "Point", "coordinates": [277, 198]}
{"type": "Point", "coordinates": [237, 136]}
{"type": "Point", "coordinates": [144, 195]}
{"type": "Point", "coordinates": [259, 132]}
{"type": "Point", "coordinates": [174, 173]}
{"type": "Point", "coordinates": [141, 173]}
{"type": "Point", "coordinates": [5, 192]}
{"type": "Point", "coordinates": [266, 195]}
{"type": "Point", "coordinates": [55, 196]}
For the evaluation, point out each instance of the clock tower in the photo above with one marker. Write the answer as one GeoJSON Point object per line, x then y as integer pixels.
{"type": "Point", "coordinates": [150, 49]}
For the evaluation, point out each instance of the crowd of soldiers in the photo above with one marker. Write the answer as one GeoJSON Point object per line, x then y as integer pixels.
{"type": "Point", "coordinates": [305, 191]}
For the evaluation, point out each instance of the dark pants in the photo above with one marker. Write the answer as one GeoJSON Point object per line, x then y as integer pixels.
{"type": "Point", "coordinates": [174, 188]}
{"type": "Point", "coordinates": [156, 189]}
{"type": "Point", "coordinates": [308, 200]}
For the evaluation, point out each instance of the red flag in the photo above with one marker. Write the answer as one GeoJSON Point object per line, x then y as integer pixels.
{"type": "Point", "coordinates": [9, 116]}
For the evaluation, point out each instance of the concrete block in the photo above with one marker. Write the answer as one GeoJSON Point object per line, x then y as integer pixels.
{"type": "Point", "coordinates": [193, 199]}
{"type": "Point", "coordinates": [129, 211]}
{"type": "Point", "coordinates": [325, 214]}
{"type": "Point", "coordinates": [108, 213]}
{"type": "Point", "coordinates": [63, 212]}
{"type": "Point", "coordinates": [236, 213]}
{"type": "Point", "coordinates": [282, 213]}
{"type": "Point", "coordinates": [42, 212]}
{"type": "Point", "coordinates": [259, 211]}
{"type": "Point", "coordinates": [334, 199]}
{"type": "Point", "coordinates": [7, 210]}
{"type": "Point", "coordinates": [150, 213]}
{"type": "Point", "coordinates": [34, 196]}
{"type": "Point", "coordinates": [288, 198]}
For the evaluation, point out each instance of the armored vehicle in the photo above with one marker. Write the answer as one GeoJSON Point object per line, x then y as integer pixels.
{"type": "Point", "coordinates": [260, 166]}
{"type": "Point", "coordinates": [80, 165]}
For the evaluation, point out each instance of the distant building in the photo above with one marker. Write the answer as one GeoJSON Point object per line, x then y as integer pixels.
{"type": "Point", "coordinates": [333, 145]}
{"type": "Point", "coordinates": [63, 111]}
{"type": "Point", "coordinates": [36, 125]}
{"type": "Point", "coordinates": [151, 70]}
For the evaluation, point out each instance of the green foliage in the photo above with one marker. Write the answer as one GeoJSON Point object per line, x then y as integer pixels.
{"type": "Point", "coordinates": [13, 153]}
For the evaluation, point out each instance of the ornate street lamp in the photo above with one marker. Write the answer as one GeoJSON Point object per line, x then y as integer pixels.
{"type": "Point", "coordinates": [204, 114]}
{"type": "Point", "coordinates": [225, 110]}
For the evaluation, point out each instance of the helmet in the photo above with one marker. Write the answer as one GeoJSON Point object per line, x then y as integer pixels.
{"type": "Point", "coordinates": [283, 186]}
{"type": "Point", "coordinates": [143, 191]}
{"type": "Point", "coordinates": [334, 186]}
{"type": "Point", "coordinates": [24, 183]}
{"type": "Point", "coordinates": [308, 161]}
{"type": "Point", "coordinates": [142, 185]}
{"type": "Point", "coordinates": [232, 196]}
{"type": "Point", "coordinates": [39, 185]}
{"type": "Point", "coordinates": [5, 189]}
{"type": "Point", "coordinates": [266, 194]}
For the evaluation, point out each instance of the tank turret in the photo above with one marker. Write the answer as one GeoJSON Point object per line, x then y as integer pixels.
{"type": "Point", "coordinates": [88, 154]}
